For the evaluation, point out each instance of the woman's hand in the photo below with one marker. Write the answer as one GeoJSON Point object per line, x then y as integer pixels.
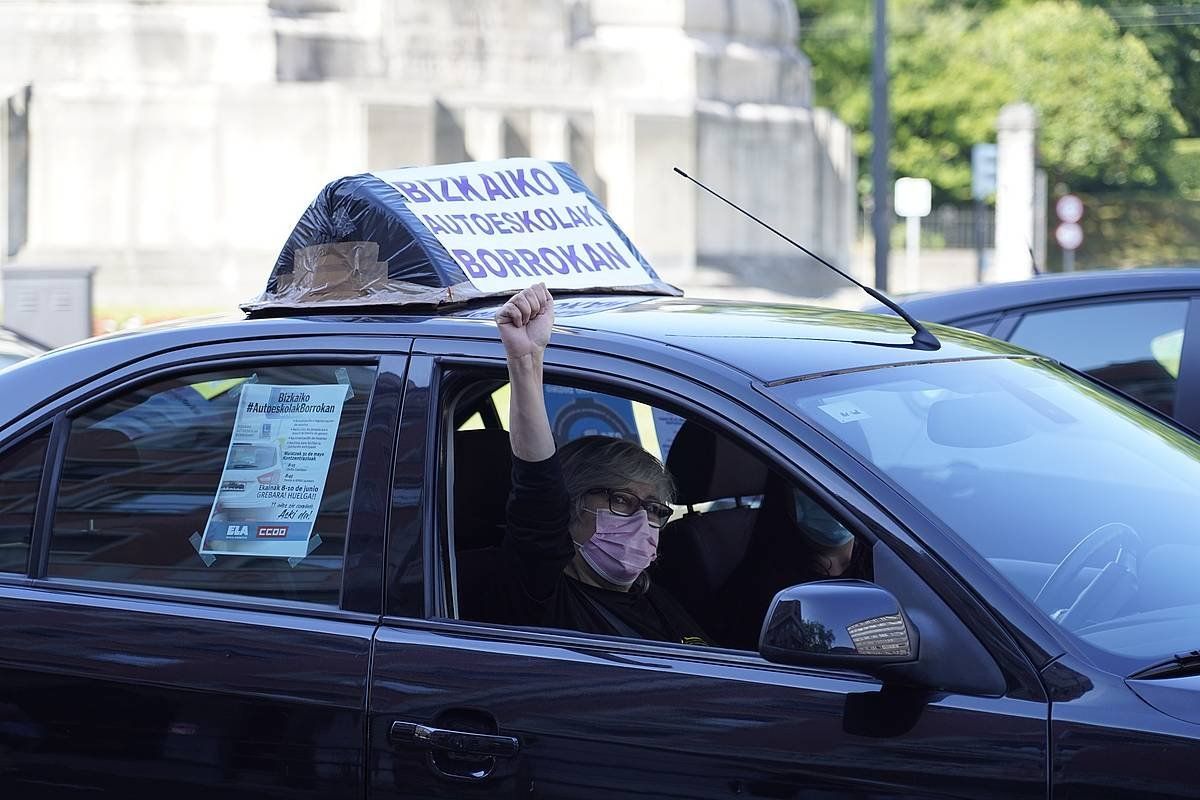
{"type": "Point", "coordinates": [525, 322]}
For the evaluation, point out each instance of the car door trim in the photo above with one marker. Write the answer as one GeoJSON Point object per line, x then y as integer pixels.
{"type": "Point", "coordinates": [1187, 384]}
{"type": "Point", "coordinates": [367, 527]}
{"type": "Point", "coordinates": [43, 519]}
{"type": "Point", "coordinates": [613, 645]}
{"type": "Point", "coordinates": [73, 590]}
{"type": "Point", "coordinates": [298, 349]}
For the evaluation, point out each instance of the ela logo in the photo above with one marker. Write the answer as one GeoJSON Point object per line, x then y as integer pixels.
{"type": "Point", "coordinates": [237, 532]}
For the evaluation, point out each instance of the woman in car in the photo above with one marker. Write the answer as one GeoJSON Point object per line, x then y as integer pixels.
{"type": "Point", "coordinates": [582, 521]}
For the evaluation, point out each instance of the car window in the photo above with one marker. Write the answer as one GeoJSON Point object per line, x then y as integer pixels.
{"type": "Point", "coordinates": [20, 478]}
{"type": "Point", "coordinates": [1133, 345]}
{"type": "Point", "coordinates": [576, 412]}
{"type": "Point", "coordinates": [1083, 502]}
{"type": "Point", "coordinates": [229, 481]}
{"type": "Point", "coordinates": [738, 533]}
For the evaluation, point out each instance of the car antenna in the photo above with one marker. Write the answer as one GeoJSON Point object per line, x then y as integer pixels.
{"type": "Point", "coordinates": [922, 338]}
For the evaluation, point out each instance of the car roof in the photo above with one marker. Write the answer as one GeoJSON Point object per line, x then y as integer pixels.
{"type": "Point", "coordinates": [993, 298]}
{"type": "Point", "coordinates": [776, 341]}
{"type": "Point", "coordinates": [765, 342]}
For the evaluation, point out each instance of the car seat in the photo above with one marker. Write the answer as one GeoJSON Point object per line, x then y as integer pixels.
{"type": "Point", "coordinates": [482, 477]}
{"type": "Point", "coordinates": [699, 551]}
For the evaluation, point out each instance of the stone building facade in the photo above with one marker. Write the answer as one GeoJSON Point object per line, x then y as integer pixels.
{"type": "Point", "coordinates": [175, 142]}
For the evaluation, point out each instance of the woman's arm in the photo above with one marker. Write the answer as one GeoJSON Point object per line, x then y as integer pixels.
{"type": "Point", "coordinates": [525, 322]}
{"type": "Point", "coordinates": [537, 545]}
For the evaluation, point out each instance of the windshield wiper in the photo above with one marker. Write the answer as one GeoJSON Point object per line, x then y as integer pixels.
{"type": "Point", "coordinates": [1180, 665]}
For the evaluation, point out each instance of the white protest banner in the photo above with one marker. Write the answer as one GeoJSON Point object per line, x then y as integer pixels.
{"type": "Point", "coordinates": [275, 470]}
{"type": "Point", "coordinates": [515, 222]}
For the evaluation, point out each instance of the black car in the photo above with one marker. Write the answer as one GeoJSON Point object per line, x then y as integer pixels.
{"type": "Point", "coordinates": [15, 347]}
{"type": "Point", "coordinates": [1030, 626]}
{"type": "Point", "coordinates": [1137, 330]}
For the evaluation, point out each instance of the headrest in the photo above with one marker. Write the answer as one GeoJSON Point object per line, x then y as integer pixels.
{"type": "Point", "coordinates": [1172, 568]}
{"type": "Point", "coordinates": [706, 466]}
{"type": "Point", "coordinates": [102, 444]}
{"type": "Point", "coordinates": [482, 479]}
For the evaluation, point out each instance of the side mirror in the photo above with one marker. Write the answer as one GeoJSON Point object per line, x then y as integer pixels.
{"type": "Point", "coordinates": [846, 623]}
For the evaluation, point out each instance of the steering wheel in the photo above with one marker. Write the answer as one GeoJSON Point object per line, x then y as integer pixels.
{"type": "Point", "coordinates": [1056, 597]}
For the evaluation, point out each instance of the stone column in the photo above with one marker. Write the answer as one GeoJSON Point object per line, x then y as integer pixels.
{"type": "Point", "coordinates": [1016, 140]}
{"type": "Point", "coordinates": [14, 170]}
{"type": "Point", "coordinates": [483, 131]}
{"type": "Point", "coordinates": [550, 135]}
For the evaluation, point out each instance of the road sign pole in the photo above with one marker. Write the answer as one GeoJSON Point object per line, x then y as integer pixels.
{"type": "Point", "coordinates": [912, 253]}
{"type": "Point", "coordinates": [983, 185]}
{"type": "Point", "coordinates": [881, 214]}
{"type": "Point", "coordinates": [914, 199]}
{"type": "Point", "coordinates": [979, 265]}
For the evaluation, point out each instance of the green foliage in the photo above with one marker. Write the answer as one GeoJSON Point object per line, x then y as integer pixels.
{"type": "Point", "coordinates": [1182, 168]}
{"type": "Point", "coordinates": [1172, 35]}
{"type": "Point", "coordinates": [1104, 103]}
{"type": "Point", "coordinates": [1134, 229]}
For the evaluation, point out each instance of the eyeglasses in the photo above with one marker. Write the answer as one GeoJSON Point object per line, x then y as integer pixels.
{"type": "Point", "coordinates": [626, 504]}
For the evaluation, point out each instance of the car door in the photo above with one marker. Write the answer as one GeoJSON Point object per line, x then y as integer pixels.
{"type": "Point", "coordinates": [1140, 344]}
{"type": "Point", "coordinates": [463, 709]}
{"type": "Point", "coordinates": [135, 661]}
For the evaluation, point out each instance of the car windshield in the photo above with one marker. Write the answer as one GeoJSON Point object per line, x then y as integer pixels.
{"type": "Point", "coordinates": [1084, 502]}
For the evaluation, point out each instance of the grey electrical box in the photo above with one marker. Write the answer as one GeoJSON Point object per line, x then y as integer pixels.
{"type": "Point", "coordinates": [51, 304]}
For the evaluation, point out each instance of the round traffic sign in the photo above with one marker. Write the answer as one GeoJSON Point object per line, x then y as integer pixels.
{"type": "Point", "coordinates": [1069, 208]}
{"type": "Point", "coordinates": [1069, 236]}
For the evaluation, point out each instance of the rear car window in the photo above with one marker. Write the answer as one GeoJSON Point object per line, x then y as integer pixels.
{"type": "Point", "coordinates": [20, 477]}
{"type": "Point", "coordinates": [1134, 345]}
{"type": "Point", "coordinates": [236, 482]}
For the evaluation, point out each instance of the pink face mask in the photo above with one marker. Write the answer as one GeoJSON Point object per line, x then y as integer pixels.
{"type": "Point", "coordinates": [621, 548]}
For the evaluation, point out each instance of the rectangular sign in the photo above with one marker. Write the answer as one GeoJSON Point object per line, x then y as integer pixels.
{"type": "Point", "coordinates": [511, 223]}
{"type": "Point", "coordinates": [275, 470]}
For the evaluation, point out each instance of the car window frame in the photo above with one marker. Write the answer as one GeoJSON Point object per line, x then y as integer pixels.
{"type": "Point", "coordinates": [361, 579]}
{"type": "Point", "coordinates": [784, 449]}
{"type": "Point", "coordinates": [484, 369]}
{"type": "Point", "coordinates": [1187, 386]}
{"type": "Point", "coordinates": [10, 445]}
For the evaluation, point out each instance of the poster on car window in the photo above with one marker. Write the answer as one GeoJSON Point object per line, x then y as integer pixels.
{"type": "Point", "coordinates": [275, 471]}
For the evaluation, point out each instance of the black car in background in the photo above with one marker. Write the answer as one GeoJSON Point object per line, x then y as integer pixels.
{"type": "Point", "coordinates": [16, 347]}
{"type": "Point", "coordinates": [1137, 330]}
{"type": "Point", "coordinates": [1028, 630]}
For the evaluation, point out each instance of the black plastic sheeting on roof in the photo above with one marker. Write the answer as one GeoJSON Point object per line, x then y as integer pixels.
{"type": "Point", "coordinates": [360, 244]}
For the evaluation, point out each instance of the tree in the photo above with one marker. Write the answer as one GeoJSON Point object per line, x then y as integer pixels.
{"type": "Point", "coordinates": [1172, 35]}
{"type": "Point", "coordinates": [1103, 102]}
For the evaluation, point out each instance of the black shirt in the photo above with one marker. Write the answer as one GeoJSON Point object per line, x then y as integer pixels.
{"type": "Point", "coordinates": [521, 582]}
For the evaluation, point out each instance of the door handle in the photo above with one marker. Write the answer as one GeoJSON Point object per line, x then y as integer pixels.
{"type": "Point", "coordinates": [464, 742]}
